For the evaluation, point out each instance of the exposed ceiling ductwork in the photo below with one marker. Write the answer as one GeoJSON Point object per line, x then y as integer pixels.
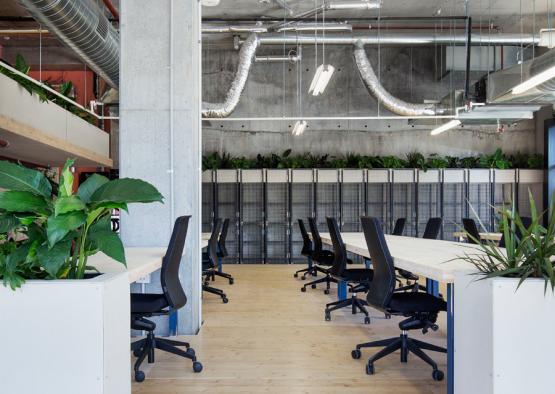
{"type": "Point", "coordinates": [385, 98]}
{"type": "Point", "coordinates": [80, 25]}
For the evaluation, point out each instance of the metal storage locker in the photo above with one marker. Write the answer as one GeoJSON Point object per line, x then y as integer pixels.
{"type": "Point", "coordinates": [428, 197]}
{"type": "Point", "coordinates": [532, 180]}
{"type": "Point", "coordinates": [251, 209]}
{"type": "Point", "coordinates": [403, 199]}
{"type": "Point", "coordinates": [480, 197]}
{"type": "Point", "coordinates": [227, 206]}
{"type": "Point", "coordinates": [504, 192]}
{"type": "Point", "coordinates": [378, 196]}
{"type": "Point", "coordinates": [352, 199]}
{"type": "Point", "coordinates": [208, 206]}
{"type": "Point", "coordinates": [302, 206]}
{"type": "Point", "coordinates": [276, 232]}
{"type": "Point", "coordinates": [454, 206]}
{"type": "Point", "coordinates": [326, 197]}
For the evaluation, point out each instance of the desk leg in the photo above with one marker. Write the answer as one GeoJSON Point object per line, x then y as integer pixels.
{"type": "Point", "coordinates": [309, 262]}
{"type": "Point", "coordinates": [368, 263]}
{"type": "Point", "coordinates": [220, 264]}
{"type": "Point", "coordinates": [432, 287]}
{"type": "Point", "coordinates": [341, 290]}
{"type": "Point", "coordinates": [450, 338]}
{"type": "Point", "coordinates": [173, 323]}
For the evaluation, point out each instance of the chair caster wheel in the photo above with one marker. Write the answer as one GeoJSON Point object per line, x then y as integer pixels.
{"type": "Point", "coordinates": [191, 351]}
{"type": "Point", "coordinates": [231, 281]}
{"type": "Point", "coordinates": [367, 320]}
{"type": "Point", "coordinates": [356, 354]}
{"type": "Point", "coordinates": [295, 275]}
{"type": "Point", "coordinates": [369, 369]}
{"type": "Point", "coordinates": [437, 375]}
{"type": "Point", "coordinates": [303, 289]}
{"type": "Point", "coordinates": [327, 291]}
{"type": "Point", "coordinates": [139, 376]}
{"type": "Point", "coordinates": [303, 277]}
{"type": "Point", "coordinates": [387, 316]}
{"type": "Point", "coordinates": [137, 352]}
{"type": "Point", "coordinates": [313, 286]}
{"type": "Point", "coordinates": [327, 316]}
{"type": "Point", "coordinates": [225, 300]}
{"type": "Point", "coordinates": [197, 367]}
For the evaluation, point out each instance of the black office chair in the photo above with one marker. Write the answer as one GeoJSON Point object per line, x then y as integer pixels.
{"type": "Point", "coordinates": [471, 228]}
{"type": "Point", "coordinates": [209, 262]}
{"type": "Point", "coordinates": [526, 222]}
{"type": "Point", "coordinates": [306, 251]}
{"type": "Point", "coordinates": [421, 309]}
{"type": "Point", "coordinates": [431, 231]}
{"type": "Point", "coordinates": [358, 277]}
{"type": "Point", "coordinates": [222, 253]}
{"type": "Point", "coordinates": [172, 299]}
{"type": "Point", "coordinates": [321, 257]}
{"type": "Point", "coordinates": [399, 227]}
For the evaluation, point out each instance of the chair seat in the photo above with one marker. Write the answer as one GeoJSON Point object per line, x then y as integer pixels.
{"type": "Point", "coordinates": [416, 302]}
{"type": "Point", "coordinates": [358, 274]}
{"type": "Point", "coordinates": [148, 303]}
{"type": "Point", "coordinates": [324, 258]}
{"type": "Point", "coordinates": [407, 274]}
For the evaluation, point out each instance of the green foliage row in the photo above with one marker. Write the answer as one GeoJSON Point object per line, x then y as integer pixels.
{"type": "Point", "coordinates": [44, 95]}
{"type": "Point", "coordinates": [48, 232]}
{"type": "Point", "coordinates": [499, 160]}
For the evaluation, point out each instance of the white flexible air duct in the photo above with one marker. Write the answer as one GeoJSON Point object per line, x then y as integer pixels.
{"type": "Point", "coordinates": [246, 58]}
{"type": "Point", "coordinates": [376, 89]}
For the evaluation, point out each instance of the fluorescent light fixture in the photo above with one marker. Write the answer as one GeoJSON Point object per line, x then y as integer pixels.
{"type": "Point", "coordinates": [210, 3]}
{"type": "Point", "coordinates": [338, 26]}
{"type": "Point", "coordinates": [321, 79]}
{"type": "Point", "coordinates": [536, 80]}
{"type": "Point", "coordinates": [446, 126]}
{"type": "Point", "coordinates": [299, 127]}
{"type": "Point", "coordinates": [354, 5]}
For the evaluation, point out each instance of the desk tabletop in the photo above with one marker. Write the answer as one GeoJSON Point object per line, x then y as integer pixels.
{"type": "Point", "coordinates": [425, 257]}
{"type": "Point", "coordinates": [487, 236]}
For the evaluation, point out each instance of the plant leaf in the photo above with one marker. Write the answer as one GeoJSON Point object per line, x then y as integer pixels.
{"type": "Point", "coordinates": [53, 259]}
{"type": "Point", "coordinates": [8, 222]}
{"type": "Point", "coordinates": [87, 188]}
{"type": "Point", "coordinates": [68, 204]}
{"type": "Point", "coordinates": [58, 226]}
{"type": "Point", "coordinates": [66, 181]}
{"type": "Point", "coordinates": [20, 201]}
{"type": "Point", "coordinates": [126, 190]}
{"type": "Point", "coordinates": [109, 243]}
{"type": "Point", "coordinates": [16, 177]}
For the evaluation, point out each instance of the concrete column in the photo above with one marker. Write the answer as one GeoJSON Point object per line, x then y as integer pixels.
{"type": "Point", "coordinates": [160, 132]}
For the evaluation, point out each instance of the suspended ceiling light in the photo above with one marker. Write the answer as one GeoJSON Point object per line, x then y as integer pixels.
{"type": "Point", "coordinates": [315, 26]}
{"type": "Point", "coordinates": [536, 80]}
{"type": "Point", "coordinates": [210, 3]}
{"type": "Point", "coordinates": [446, 126]}
{"type": "Point", "coordinates": [354, 5]}
{"type": "Point", "coordinates": [299, 127]}
{"type": "Point", "coordinates": [321, 79]}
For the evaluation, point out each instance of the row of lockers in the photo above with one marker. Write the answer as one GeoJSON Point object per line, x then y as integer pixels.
{"type": "Point", "coordinates": [264, 205]}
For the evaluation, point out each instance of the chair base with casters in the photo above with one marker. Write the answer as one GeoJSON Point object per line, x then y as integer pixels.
{"type": "Point", "coordinates": [213, 290]}
{"type": "Point", "coordinates": [306, 271]}
{"type": "Point", "coordinates": [405, 345]}
{"type": "Point", "coordinates": [328, 279]}
{"type": "Point", "coordinates": [144, 348]}
{"type": "Point", "coordinates": [355, 303]}
{"type": "Point", "coordinates": [215, 273]}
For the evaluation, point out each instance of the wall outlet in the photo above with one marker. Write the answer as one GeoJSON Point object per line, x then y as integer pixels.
{"type": "Point", "coordinates": [144, 279]}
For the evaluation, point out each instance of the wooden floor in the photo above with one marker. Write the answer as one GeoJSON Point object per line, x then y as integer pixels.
{"type": "Point", "coordinates": [271, 338]}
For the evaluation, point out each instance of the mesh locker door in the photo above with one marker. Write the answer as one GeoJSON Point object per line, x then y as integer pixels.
{"type": "Point", "coordinates": [378, 196]}
{"type": "Point", "coordinates": [302, 207]}
{"type": "Point", "coordinates": [429, 198]}
{"type": "Point", "coordinates": [352, 200]}
{"type": "Point", "coordinates": [454, 202]}
{"type": "Point", "coordinates": [403, 191]}
{"type": "Point", "coordinates": [227, 206]}
{"type": "Point", "coordinates": [277, 219]}
{"type": "Point", "coordinates": [530, 180]}
{"type": "Point", "coordinates": [207, 201]}
{"type": "Point", "coordinates": [327, 197]}
{"type": "Point", "coordinates": [480, 198]}
{"type": "Point", "coordinates": [252, 217]}
{"type": "Point", "coordinates": [504, 192]}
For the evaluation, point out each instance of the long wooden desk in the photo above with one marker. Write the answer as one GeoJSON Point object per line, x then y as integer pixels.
{"type": "Point", "coordinates": [496, 237]}
{"type": "Point", "coordinates": [436, 260]}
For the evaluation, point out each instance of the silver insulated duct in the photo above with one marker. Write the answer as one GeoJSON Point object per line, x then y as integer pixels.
{"type": "Point", "coordinates": [80, 25]}
{"type": "Point", "coordinates": [246, 58]}
{"type": "Point", "coordinates": [376, 89]}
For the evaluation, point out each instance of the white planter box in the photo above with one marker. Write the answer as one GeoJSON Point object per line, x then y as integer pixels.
{"type": "Point", "coordinates": [504, 339]}
{"type": "Point", "coordinates": [66, 336]}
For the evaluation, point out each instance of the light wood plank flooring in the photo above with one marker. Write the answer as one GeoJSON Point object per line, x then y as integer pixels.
{"type": "Point", "coordinates": [271, 338]}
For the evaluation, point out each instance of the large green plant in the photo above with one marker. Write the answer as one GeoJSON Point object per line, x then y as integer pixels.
{"type": "Point", "coordinates": [528, 251]}
{"type": "Point", "coordinates": [49, 236]}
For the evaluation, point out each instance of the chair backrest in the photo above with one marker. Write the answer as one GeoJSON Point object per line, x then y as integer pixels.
{"type": "Point", "coordinates": [169, 273]}
{"type": "Point", "coordinates": [383, 283]}
{"type": "Point", "coordinates": [471, 228]}
{"type": "Point", "coordinates": [307, 243]}
{"type": "Point", "coordinates": [399, 227]}
{"type": "Point", "coordinates": [526, 221]}
{"type": "Point", "coordinates": [433, 226]}
{"type": "Point", "coordinates": [339, 249]}
{"type": "Point", "coordinates": [223, 237]}
{"type": "Point", "coordinates": [316, 240]}
{"type": "Point", "coordinates": [213, 242]}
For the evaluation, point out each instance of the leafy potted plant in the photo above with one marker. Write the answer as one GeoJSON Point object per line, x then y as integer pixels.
{"type": "Point", "coordinates": [506, 309]}
{"type": "Point", "coordinates": [80, 325]}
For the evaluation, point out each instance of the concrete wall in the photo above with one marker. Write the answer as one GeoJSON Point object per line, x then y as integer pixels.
{"type": "Point", "coordinates": [413, 74]}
